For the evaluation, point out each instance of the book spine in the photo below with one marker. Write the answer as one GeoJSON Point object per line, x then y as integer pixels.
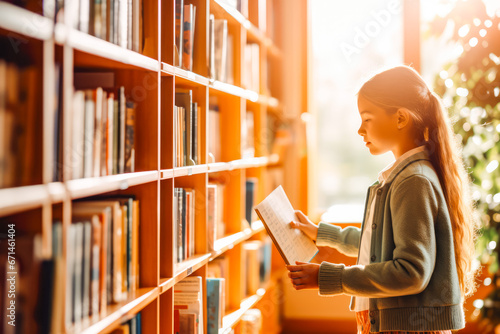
{"type": "Point", "coordinates": [122, 115]}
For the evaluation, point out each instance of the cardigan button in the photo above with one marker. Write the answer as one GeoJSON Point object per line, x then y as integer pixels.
{"type": "Point", "coordinates": [374, 226]}
{"type": "Point", "coordinates": [372, 322]}
{"type": "Point", "coordinates": [372, 314]}
{"type": "Point", "coordinates": [379, 191]}
{"type": "Point", "coordinates": [373, 258]}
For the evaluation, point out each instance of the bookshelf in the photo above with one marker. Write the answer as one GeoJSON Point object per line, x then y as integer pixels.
{"type": "Point", "coordinates": [57, 50]}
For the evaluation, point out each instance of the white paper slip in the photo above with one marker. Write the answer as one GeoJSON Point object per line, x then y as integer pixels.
{"type": "Point", "coordinates": [276, 212]}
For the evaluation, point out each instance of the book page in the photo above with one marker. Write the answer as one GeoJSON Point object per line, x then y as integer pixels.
{"type": "Point", "coordinates": [276, 212]}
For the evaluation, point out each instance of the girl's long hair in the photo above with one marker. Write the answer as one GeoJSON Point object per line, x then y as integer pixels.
{"type": "Point", "coordinates": [403, 87]}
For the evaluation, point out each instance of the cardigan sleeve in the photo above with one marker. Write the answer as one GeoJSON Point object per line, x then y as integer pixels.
{"type": "Point", "coordinates": [414, 208]}
{"type": "Point", "coordinates": [345, 240]}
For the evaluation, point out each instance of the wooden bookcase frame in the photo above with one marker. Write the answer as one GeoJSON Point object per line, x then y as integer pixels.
{"type": "Point", "coordinates": [152, 78]}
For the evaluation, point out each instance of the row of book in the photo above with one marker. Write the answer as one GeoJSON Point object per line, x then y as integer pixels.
{"type": "Point", "coordinates": [102, 265]}
{"type": "Point", "coordinates": [187, 129]}
{"type": "Point", "coordinates": [19, 116]}
{"type": "Point", "coordinates": [133, 326]}
{"type": "Point", "coordinates": [188, 305]}
{"type": "Point", "coordinates": [103, 133]}
{"type": "Point", "coordinates": [117, 21]}
{"type": "Point", "coordinates": [184, 223]}
{"type": "Point", "coordinates": [185, 19]}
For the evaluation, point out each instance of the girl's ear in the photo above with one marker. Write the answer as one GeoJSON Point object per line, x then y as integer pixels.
{"type": "Point", "coordinates": [403, 118]}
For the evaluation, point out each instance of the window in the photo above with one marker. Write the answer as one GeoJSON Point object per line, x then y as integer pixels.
{"type": "Point", "coordinates": [350, 41]}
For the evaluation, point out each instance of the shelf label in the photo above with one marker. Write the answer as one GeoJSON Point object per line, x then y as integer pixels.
{"type": "Point", "coordinates": [191, 76]}
{"type": "Point", "coordinates": [190, 171]}
{"type": "Point", "coordinates": [189, 270]}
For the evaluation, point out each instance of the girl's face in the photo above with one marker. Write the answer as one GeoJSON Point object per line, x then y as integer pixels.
{"type": "Point", "coordinates": [378, 128]}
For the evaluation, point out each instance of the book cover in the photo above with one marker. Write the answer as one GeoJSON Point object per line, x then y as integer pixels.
{"type": "Point", "coordinates": [215, 301]}
{"type": "Point", "coordinates": [211, 216]}
{"type": "Point", "coordinates": [220, 49]}
{"type": "Point", "coordinates": [88, 144]}
{"type": "Point", "coordinates": [188, 37]}
{"type": "Point", "coordinates": [179, 31]}
{"type": "Point", "coordinates": [121, 131]}
{"type": "Point", "coordinates": [130, 138]}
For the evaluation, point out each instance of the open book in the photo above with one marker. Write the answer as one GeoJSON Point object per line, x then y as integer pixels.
{"type": "Point", "coordinates": [276, 212]}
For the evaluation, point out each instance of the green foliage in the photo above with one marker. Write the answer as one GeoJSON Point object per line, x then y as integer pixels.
{"type": "Point", "coordinates": [470, 85]}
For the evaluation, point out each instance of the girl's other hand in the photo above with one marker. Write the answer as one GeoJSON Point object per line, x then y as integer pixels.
{"type": "Point", "coordinates": [304, 275]}
{"type": "Point", "coordinates": [305, 225]}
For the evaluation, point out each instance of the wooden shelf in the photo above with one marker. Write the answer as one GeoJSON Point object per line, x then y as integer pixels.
{"type": "Point", "coordinates": [98, 185]}
{"type": "Point", "coordinates": [217, 88]}
{"type": "Point", "coordinates": [25, 22]}
{"type": "Point", "coordinates": [115, 314]}
{"type": "Point", "coordinates": [190, 170]}
{"type": "Point", "coordinates": [166, 174]}
{"type": "Point", "coordinates": [228, 242]}
{"type": "Point", "coordinates": [188, 78]}
{"type": "Point", "coordinates": [184, 269]}
{"type": "Point", "coordinates": [13, 200]}
{"type": "Point", "coordinates": [231, 319]}
{"type": "Point", "coordinates": [98, 47]}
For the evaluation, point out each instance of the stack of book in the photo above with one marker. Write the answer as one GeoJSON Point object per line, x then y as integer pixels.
{"type": "Point", "coordinates": [102, 256]}
{"type": "Point", "coordinates": [117, 21]}
{"type": "Point", "coordinates": [20, 119]}
{"type": "Point", "coordinates": [220, 48]}
{"type": "Point", "coordinates": [251, 70]}
{"type": "Point", "coordinates": [103, 136]}
{"type": "Point", "coordinates": [133, 326]}
{"type": "Point", "coordinates": [188, 306]}
{"type": "Point", "coordinates": [185, 18]}
{"type": "Point", "coordinates": [216, 290]}
{"type": "Point", "coordinates": [187, 131]}
{"type": "Point", "coordinates": [216, 228]}
{"type": "Point", "coordinates": [257, 255]}
{"type": "Point", "coordinates": [184, 223]}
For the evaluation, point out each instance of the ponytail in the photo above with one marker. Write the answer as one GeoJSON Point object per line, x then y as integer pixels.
{"type": "Point", "coordinates": [445, 155]}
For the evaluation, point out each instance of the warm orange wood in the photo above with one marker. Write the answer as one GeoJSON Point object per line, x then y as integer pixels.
{"type": "Point", "coordinates": [167, 312]}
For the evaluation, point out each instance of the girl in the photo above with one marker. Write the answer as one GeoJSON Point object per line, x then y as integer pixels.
{"type": "Point", "coordinates": [416, 244]}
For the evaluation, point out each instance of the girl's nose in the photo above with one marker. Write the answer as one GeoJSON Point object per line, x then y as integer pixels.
{"type": "Point", "coordinates": [361, 131]}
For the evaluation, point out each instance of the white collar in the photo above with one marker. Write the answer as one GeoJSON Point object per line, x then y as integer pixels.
{"type": "Point", "coordinates": [384, 173]}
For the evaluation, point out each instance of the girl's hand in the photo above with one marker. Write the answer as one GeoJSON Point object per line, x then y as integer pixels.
{"type": "Point", "coordinates": [304, 275]}
{"type": "Point", "coordinates": [305, 225]}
